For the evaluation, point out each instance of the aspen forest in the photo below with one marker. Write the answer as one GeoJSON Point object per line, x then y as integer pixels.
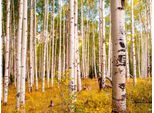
{"type": "Point", "coordinates": [75, 56]}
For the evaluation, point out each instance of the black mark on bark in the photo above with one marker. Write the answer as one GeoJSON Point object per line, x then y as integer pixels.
{"type": "Point", "coordinates": [122, 44]}
{"type": "Point", "coordinates": [122, 5]}
{"type": "Point", "coordinates": [121, 61]}
{"type": "Point", "coordinates": [122, 86]}
{"type": "Point", "coordinates": [122, 50]}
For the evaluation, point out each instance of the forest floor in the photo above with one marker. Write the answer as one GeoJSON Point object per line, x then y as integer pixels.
{"type": "Point", "coordinates": [89, 100]}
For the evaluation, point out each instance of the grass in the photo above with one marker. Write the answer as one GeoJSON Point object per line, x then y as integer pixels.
{"type": "Point", "coordinates": [90, 100]}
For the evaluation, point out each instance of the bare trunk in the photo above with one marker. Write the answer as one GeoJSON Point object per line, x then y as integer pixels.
{"type": "Point", "coordinates": [24, 54]}
{"type": "Point", "coordinates": [1, 50]}
{"type": "Point", "coordinates": [52, 65]}
{"type": "Point", "coordinates": [133, 43]}
{"type": "Point", "coordinates": [31, 47]}
{"type": "Point", "coordinates": [72, 52]}
{"type": "Point", "coordinates": [36, 69]}
{"type": "Point", "coordinates": [59, 59]}
{"type": "Point", "coordinates": [102, 60]}
{"type": "Point", "coordinates": [119, 56]}
{"type": "Point", "coordinates": [19, 53]}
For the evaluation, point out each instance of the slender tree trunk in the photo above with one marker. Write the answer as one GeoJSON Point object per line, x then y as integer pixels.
{"type": "Point", "coordinates": [31, 47]}
{"type": "Point", "coordinates": [1, 54]}
{"type": "Point", "coordinates": [59, 59]}
{"type": "Point", "coordinates": [64, 31]}
{"type": "Point", "coordinates": [19, 38]}
{"type": "Point", "coordinates": [71, 57]}
{"type": "Point", "coordinates": [102, 60]}
{"type": "Point", "coordinates": [133, 43]}
{"type": "Point", "coordinates": [94, 54]}
{"type": "Point", "coordinates": [119, 56]}
{"type": "Point", "coordinates": [24, 54]}
{"type": "Point", "coordinates": [52, 61]}
{"type": "Point", "coordinates": [82, 35]}
{"type": "Point", "coordinates": [110, 53]}
{"type": "Point", "coordinates": [36, 67]}
{"type": "Point", "coordinates": [45, 43]}
{"type": "Point", "coordinates": [6, 76]}
{"type": "Point", "coordinates": [77, 58]}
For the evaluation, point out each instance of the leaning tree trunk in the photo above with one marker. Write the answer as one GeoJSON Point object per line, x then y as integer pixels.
{"type": "Point", "coordinates": [6, 76]}
{"type": "Point", "coordinates": [133, 43]}
{"type": "Point", "coordinates": [19, 38]}
{"type": "Point", "coordinates": [119, 56]}
{"type": "Point", "coordinates": [24, 54]}
{"type": "Point", "coordinates": [1, 50]}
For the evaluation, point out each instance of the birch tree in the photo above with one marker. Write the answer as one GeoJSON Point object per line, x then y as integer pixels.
{"type": "Point", "coordinates": [24, 54]}
{"type": "Point", "coordinates": [7, 52]}
{"type": "Point", "coordinates": [19, 38]}
{"type": "Point", "coordinates": [102, 62]}
{"type": "Point", "coordinates": [133, 42]}
{"type": "Point", "coordinates": [119, 56]}
{"type": "Point", "coordinates": [45, 44]}
{"type": "Point", "coordinates": [72, 52]}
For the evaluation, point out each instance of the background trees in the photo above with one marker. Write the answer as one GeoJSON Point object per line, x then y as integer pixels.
{"type": "Point", "coordinates": [48, 41]}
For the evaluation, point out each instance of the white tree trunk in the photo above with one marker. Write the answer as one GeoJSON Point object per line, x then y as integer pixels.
{"type": "Point", "coordinates": [119, 56]}
{"type": "Point", "coordinates": [72, 61]}
{"type": "Point", "coordinates": [6, 76]}
{"type": "Point", "coordinates": [102, 59]}
{"type": "Point", "coordinates": [45, 43]}
{"type": "Point", "coordinates": [19, 38]}
{"type": "Point", "coordinates": [24, 54]}
{"type": "Point", "coordinates": [77, 58]}
{"type": "Point", "coordinates": [133, 43]}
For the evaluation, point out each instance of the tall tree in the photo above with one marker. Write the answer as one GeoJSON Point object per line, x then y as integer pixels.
{"type": "Point", "coordinates": [1, 50]}
{"type": "Point", "coordinates": [31, 46]}
{"type": "Point", "coordinates": [119, 56]}
{"type": "Point", "coordinates": [52, 60]}
{"type": "Point", "coordinates": [72, 61]}
{"type": "Point", "coordinates": [24, 54]}
{"type": "Point", "coordinates": [19, 35]}
{"type": "Point", "coordinates": [133, 42]}
{"type": "Point", "coordinates": [77, 58]}
{"type": "Point", "coordinates": [7, 52]}
{"type": "Point", "coordinates": [60, 41]}
{"type": "Point", "coordinates": [45, 43]}
{"type": "Point", "coordinates": [36, 64]}
{"type": "Point", "coordinates": [102, 60]}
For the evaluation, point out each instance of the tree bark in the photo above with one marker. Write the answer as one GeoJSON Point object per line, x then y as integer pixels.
{"type": "Point", "coordinates": [133, 43]}
{"type": "Point", "coordinates": [24, 54]}
{"type": "Point", "coordinates": [19, 38]}
{"type": "Point", "coordinates": [1, 54]}
{"type": "Point", "coordinates": [119, 56]}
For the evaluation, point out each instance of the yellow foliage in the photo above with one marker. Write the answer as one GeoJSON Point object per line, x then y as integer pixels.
{"type": "Point", "coordinates": [92, 100]}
